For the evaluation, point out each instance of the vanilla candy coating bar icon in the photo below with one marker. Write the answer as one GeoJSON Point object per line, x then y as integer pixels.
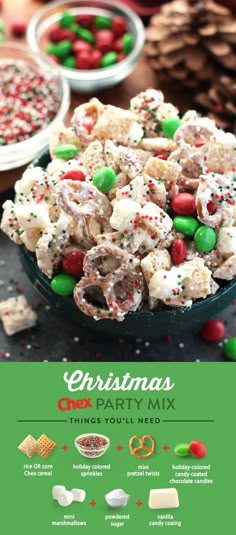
{"type": "Point", "coordinates": [163, 499]}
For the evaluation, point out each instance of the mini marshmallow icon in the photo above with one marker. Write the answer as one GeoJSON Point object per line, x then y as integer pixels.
{"type": "Point", "coordinates": [79, 495]}
{"type": "Point", "coordinates": [57, 490]}
{"type": "Point", "coordinates": [65, 499]}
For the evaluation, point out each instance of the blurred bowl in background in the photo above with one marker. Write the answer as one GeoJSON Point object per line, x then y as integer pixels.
{"type": "Point", "coordinates": [88, 81]}
{"type": "Point", "coordinates": [17, 154]}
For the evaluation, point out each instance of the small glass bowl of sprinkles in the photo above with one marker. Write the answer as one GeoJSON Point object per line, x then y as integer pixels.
{"type": "Point", "coordinates": [33, 96]}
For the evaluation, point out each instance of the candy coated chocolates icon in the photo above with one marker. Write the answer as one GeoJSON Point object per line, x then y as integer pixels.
{"type": "Point", "coordinates": [195, 448]}
{"type": "Point", "coordinates": [145, 447]}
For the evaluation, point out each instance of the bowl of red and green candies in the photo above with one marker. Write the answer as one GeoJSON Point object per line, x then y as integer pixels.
{"type": "Point", "coordinates": [96, 44]}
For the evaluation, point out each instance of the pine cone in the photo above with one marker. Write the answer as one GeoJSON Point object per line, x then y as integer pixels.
{"type": "Point", "coordinates": [220, 100]}
{"type": "Point", "coordinates": [188, 40]}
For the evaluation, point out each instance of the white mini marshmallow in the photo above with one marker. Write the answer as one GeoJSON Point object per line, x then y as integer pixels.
{"type": "Point", "coordinates": [57, 490]}
{"type": "Point", "coordinates": [32, 215]}
{"type": "Point", "coordinates": [65, 499]}
{"type": "Point", "coordinates": [79, 495]}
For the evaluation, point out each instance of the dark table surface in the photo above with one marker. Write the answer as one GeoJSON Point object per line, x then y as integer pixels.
{"type": "Point", "coordinates": [56, 339]}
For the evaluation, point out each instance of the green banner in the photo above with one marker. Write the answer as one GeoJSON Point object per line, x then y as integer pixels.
{"type": "Point", "coordinates": [156, 450]}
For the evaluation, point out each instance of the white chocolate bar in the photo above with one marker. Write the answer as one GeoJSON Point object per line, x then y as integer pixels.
{"type": "Point", "coordinates": [163, 499]}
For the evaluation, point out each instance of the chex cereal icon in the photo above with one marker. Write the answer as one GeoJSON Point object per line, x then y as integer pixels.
{"type": "Point", "coordinates": [43, 446]}
{"type": "Point", "coordinates": [29, 446]}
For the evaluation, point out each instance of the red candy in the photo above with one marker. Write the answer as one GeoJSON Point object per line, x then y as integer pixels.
{"type": "Point", "coordinates": [96, 57]}
{"type": "Point", "coordinates": [162, 156]}
{"type": "Point", "coordinates": [118, 26]}
{"type": "Point", "coordinates": [117, 45]}
{"type": "Point", "coordinates": [18, 26]}
{"type": "Point", "coordinates": [54, 58]}
{"type": "Point", "coordinates": [81, 46]}
{"type": "Point", "coordinates": [73, 263]}
{"type": "Point", "coordinates": [213, 330]}
{"type": "Point", "coordinates": [83, 60]}
{"type": "Point", "coordinates": [61, 34]}
{"type": "Point", "coordinates": [211, 207]}
{"type": "Point", "coordinates": [104, 40]}
{"type": "Point", "coordinates": [85, 20]}
{"type": "Point", "coordinates": [121, 56]}
{"type": "Point", "coordinates": [184, 204]}
{"type": "Point", "coordinates": [88, 123]}
{"type": "Point", "coordinates": [74, 174]}
{"type": "Point", "coordinates": [178, 251]}
{"type": "Point", "coordinates": [198, 449]}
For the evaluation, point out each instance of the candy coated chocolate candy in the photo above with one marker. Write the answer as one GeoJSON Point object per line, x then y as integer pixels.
{"type": "Point", "coordinates": [205, 239]}
{"type": "Point", "coordinates": [69, 62]}
{"type": "Point", "coordinates": [211, 207]}
{"type": "Point", "coordinates": [18, 26]}
{"type": "Point", "coordinates": [85, 20]}
{"type": "Point", "coordinates": [127, 43]}
{"type": "Point", "coordinates": [63, 49]}
{"type": "Point", "coordinates": [61, 34]}
{"type": "Point", "coordinates": [83, 60]}
{"type": "Point", "coordinates": [184, 203]}
{"type": "Point", "coordinates": [104, 40]}
{"type": "Point", "coordinates": [198, 449]}
{"type": "Point", "coordinates": [88, 123]}
{"type": "Point", "coordinates": [80, 46]}
{"type": "Point", "coordinates": [182, 450]}
{"type": "Point", "coordinates": [66, 19]}
{"type": "Point", "coordinates": [170, 125]}
{"type": "Point", "coordinates": [55, 59]}
{"type": "Point", "coordinates": [66, 151]}
{"type": "Point", "coordinates": [52, 50]}
{"type": "Point", "coordinates": [1, 37]}
{"type": "Point", "coordinates": [109, 59]}
{"type": "Point", "coordinates": [85, 34]}
{"type": "Point", "coordinates": [102, 22]}
{"type": "Point", "coordinates": [104, 179]}
{"type": "Point", "coordinates": [178, 251]}
{"type": "Point", "coordinates": [63, 284]}
{"type": "Point", "coordinates": [230, 349]}
{"type": "Point", "coordinates": [72, 263]}
{"type": "Point", "coordinates": [74, 174]}
{"type": "Point", "coordinates": [95, 58]}
{"type": "Point", "coordinates": [186, 224]}
{"type": "Point", "coordinates": [119, 26]}
{"type": "Point", "coordinates": [213, 330]}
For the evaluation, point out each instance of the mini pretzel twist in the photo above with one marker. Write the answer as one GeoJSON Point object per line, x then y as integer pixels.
{"type": "Point", "coordinates": [135, 450]}
{"type": "Point", "coordinates": [114, 273]}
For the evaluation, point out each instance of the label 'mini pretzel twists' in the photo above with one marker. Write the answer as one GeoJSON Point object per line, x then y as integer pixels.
{"type": "Point", "coordinates": [145, 198]}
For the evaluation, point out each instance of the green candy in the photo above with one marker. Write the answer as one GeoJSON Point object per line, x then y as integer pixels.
{"type": "Point", "coordinates": [69, 62]}
{"type": "Point", "coordinates": [67, 19]}
{"type": "Point", "coordinates": [109, 59]}
{"type": "Point", "coordinates": [52, 49]}
{"type": "Point", "coordinates": [86, 35]}
{"type": "Point", "coordinates": [205, 239]}
{"type": "Point", "coordinates": [185, 224]}
{"type": "Point", "coordinates": [182, 450]}
{"type": "Point", "coordinates": [104, 179]}
{"type": "Point", "coordinates": [1, 26]}
{"type": "Point", "coordinates": [127, 43]}
{"type": "Point", "coordinates": [230, 349]}
{"type": "Point", "coordinates": [170, 125]}
{"type": "Point", "coordinates": [66, 151]}
{"type": "Point", "coordinates": [1, 37]}
{"type": "Point", "coordinates": [63, 284]}
{"type": "Point", "coordinates": [102, 23]}
{"type": "Point", "coordinates": [63, 49]}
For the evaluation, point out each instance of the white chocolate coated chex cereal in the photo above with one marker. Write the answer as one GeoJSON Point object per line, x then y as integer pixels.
{"type": "Point", "coordinates": [16, 315]}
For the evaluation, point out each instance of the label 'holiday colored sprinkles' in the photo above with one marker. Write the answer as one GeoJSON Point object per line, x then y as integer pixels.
{"type": "Point", "coordinates": [28, 100]}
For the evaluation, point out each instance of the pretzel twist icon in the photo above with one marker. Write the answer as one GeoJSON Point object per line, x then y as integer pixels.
{"type": "Point", "coordinates": [135, 450]}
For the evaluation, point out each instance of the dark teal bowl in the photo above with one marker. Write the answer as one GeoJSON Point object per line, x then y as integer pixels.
{"type": "Point", "coordinates": [144, 324]}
